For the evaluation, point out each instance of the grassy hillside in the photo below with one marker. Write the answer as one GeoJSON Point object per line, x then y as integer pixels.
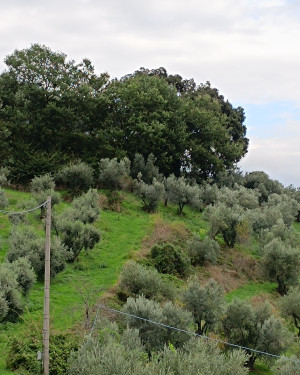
{"type": "Point", "coordinates": [125, 234]}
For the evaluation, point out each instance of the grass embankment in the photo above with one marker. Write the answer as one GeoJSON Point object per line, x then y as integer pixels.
{"type": "Point", "coordinates": [122, 234]}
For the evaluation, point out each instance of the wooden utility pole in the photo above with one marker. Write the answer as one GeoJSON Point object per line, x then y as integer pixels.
{"type": "Point", "coordinates": [46, 324]}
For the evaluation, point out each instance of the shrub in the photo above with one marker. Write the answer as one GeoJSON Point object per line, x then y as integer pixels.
{"type": "Point", "coordinates": [137, 280]}
{"type": "Point", "coordinates": [42, 183]}
{"type": "Point", "coordinates": [203, 252]}
{"type": "Point", "coordinates": [76, 177]}
{"type": "Point", "coordinates": [147, 171]}
{"type": "Point", "coordinates": [167, 258]}
{"type": "Point", "coordinates": [290, 305]}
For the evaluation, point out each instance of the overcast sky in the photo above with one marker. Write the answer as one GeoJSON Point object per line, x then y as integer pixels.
{"type": "Point", "coordinates": [248, 49]}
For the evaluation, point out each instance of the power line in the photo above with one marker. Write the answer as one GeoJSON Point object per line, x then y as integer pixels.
{"type": "Point", "coordinates": [25, 211]}
{"type": "Point", "coordinates": [189, 333]}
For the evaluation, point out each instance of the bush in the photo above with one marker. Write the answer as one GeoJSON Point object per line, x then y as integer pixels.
{"type": "Point", "coordinates": [137, 280]}
{"type": "Point", "coordinates": [76, 177]}
{"type": "Point", "coordinates": [150, 195]}
{"type": "Point", "coordinates": [147, 171]}
{"type": "Point", "coordinates": [85, 208]}
{"type": "Point", "coordinates": [42, 183]}
{"type": "Point", "coordinates": [167, 258]}
{"type": "Point", "coordinates": [22, 354]}
{"type": "Point", "coordinates": [290, 306]}
{"type": "Point", "coordinates": [203, 252]}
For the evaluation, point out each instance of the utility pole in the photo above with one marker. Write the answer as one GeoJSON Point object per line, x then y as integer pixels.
{"type": "Point", "coordinates": [46, 323]}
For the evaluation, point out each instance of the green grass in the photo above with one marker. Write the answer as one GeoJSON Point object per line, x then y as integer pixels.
{"type": "Point", "coordinates": [122, 234]}
{"type": "Point", "coordinates": [250, 290]}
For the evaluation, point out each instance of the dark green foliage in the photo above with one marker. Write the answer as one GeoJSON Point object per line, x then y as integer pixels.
{"type": "Point", "coordinates": [167, 258]}
{"type": "Point", "coordinates": [255, 328]}
{"type": "Point", "coordinates": [260, 180]}
{"type": "Point", "coordinates": [203, 252]}
{"type": "Point", "coordinates": [22, 355]}
{"type": "Point", "coordinates": [137, 280]}
{"type": "Point", "coordinates": [150, 195]}
{"type": "Point", "coordinates": [112, 172]}
{"type": "Point", "coordinates": [76, 177]}
{"type": "Point", "coordinates": [147, 171]}
{"type": "Point", "coordinates": [154, 336]}
{"type": "Point", "coordinates": [205, 303]}
{"type": "Point", "coordinates": [281, 263]}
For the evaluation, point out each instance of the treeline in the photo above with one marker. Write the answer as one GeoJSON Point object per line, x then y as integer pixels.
{"type": "Point", "coordinates": [53, 111]}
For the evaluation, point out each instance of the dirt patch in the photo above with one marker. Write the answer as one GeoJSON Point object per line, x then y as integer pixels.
{"type": "Point", "coordinates": [163, 231]}
{"type": "Point", "coordinates": [236, 270]}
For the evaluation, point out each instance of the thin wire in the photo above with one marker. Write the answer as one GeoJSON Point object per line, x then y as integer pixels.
{"type": "Point", "coordinates": [24, 212]}
{"type": "Point", "coordinates": [190, 333]}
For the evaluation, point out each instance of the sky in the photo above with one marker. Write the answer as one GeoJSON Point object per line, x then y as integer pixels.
{"type": "Point", "coordinates": [248, 49]}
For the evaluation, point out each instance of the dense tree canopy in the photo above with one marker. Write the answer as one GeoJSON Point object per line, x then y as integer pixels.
{"type": "Point", "coordinates": [53, 110]}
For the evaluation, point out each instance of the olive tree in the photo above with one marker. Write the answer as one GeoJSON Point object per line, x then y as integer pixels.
{"type": "Point", "coordinates": [112, 172]}
{"type": "Point", "coordinates": [179, 192]}
{"type": "Point", "coordinates": [281, 263]}
{"type": "Point", "coordinates": [10, 296]}
{"type": "Point", "coordinates": [205, 303]}
{"type": "Point", "coordinates": [254, 328]}
{"type": "Point", "coordinates": [290, 306]}
{"type": "Point", "coordinates": [150, 194]}
{"type": "Point", "coordinates": [77, 177]}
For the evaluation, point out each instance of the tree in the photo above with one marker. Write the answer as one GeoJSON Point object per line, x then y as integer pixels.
{"type": "Point", "coordinates": [86, 207]}
{"type": "Point", "coordinates": [24, 242]}
{"type": "Point", "coordinates": [24, 274]}
{"type": "Point", "coordinates": [144, 116]}
{"type": "Point", "coordinates": [290, 305]}
{"type": "Point", "coordinates": [254, 328]}
{"type": "Point", "coordinates": [77, 236]}
{"type": "Point", "coordinates": [152, 335]}
{"type": "Point", "coordinates": [150, 195]}
{"type": "Point", "coordinates": [205, 303]}
{"type": "Point", "coordinates": [112, 172]}
{"type": "Point", "coordinates": [224, 220]}
{"type": "Point", "coordinates": [179, 192]}
{"type": "Point", "coordinates": [281, 263]}
{"type": "Point", "coordinates": [49, 106]}
{"type": "Point", "coordinates": [261, 181]}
